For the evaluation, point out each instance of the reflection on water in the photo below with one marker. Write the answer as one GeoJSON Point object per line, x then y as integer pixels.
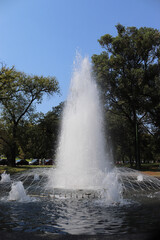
{"type": "Point", "coordinates": [76, 212]}
{"type": "Point", "coordinates": [79, 217]}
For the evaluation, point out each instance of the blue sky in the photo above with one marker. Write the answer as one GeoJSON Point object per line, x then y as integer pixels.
{"type": "Point", "coordinates": [41, 36]}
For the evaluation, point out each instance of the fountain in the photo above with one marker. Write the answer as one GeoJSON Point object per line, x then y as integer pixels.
{"type": "Point", "coordinates": [85, 193]}
{"type": "Point", "coordinates": [82, 160]}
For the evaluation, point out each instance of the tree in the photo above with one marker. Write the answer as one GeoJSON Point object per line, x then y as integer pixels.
{"type": "Point", "coordinates": [37, 137]}
{"type": "Point", "coordinates": [7, 82]}
{"type": "Point", "coordinates": [22, 92]}
{"type": "Point", "coordinates": [49, 127]}
{"type": "Point", "coordinates": [120, 137]}
{"type": "Point", "coordinates": [128, 72]}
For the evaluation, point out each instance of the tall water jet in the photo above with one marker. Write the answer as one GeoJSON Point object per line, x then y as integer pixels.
{"type": "Point", "coordinates": [82, 160]}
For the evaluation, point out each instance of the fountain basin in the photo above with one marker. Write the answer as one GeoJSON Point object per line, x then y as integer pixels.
{"type": "Point", "coordinates": [61, 211]}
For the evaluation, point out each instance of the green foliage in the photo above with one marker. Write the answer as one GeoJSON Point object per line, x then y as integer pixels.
{"type": "Point", "coordinates": [128, 73]}
{"type": "Point", "coordinates": [17, 169]}
{"type": "Point", "coordinates": [38, 136]}
{"type": "Point", "coordinates": [18, 93]}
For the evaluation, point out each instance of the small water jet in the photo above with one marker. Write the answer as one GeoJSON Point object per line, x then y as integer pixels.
{"type": "Point", "coordinates": [36, 177]}
{"type": "Point", "coordinates": [140, 178]}
{"type": "Point", "coordinates": [18, 192]}
{"type": "Point", "coordinates": [5, 177]}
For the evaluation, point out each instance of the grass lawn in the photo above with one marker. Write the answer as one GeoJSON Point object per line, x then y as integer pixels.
{"type": "Point", "coordinates": [17, 169]}
{"type": "Point", "coordinates": [155, 167]}
{"type": "Point", "coordinates": [152, 169]}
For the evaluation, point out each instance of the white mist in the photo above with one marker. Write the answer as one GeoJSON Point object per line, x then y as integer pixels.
{"type": "Point", "coordinates": [82, 160]}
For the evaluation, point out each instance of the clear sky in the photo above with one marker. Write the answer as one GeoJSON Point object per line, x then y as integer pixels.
{"type": "Point", "coordinates": [41, 36]}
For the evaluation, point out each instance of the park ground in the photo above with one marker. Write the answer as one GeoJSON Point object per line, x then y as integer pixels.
{"type": "Point", "coordinates": [12, 170]}
{"type": "Point", "coordinates": [152, 169]}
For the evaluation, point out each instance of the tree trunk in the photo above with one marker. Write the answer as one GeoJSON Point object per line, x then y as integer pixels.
{"type": "Point", "coordinates": [137, 150]}
{"type": "Point", "coordinates": [12, 158]}
{"type": "Point", "coordinates": [130, 160]}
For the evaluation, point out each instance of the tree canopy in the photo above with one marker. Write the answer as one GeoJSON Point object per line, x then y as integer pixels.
{"type": "Point", "coordinates": [128, 72]}
{"type": "Point", "coordinates": [18, 93]}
